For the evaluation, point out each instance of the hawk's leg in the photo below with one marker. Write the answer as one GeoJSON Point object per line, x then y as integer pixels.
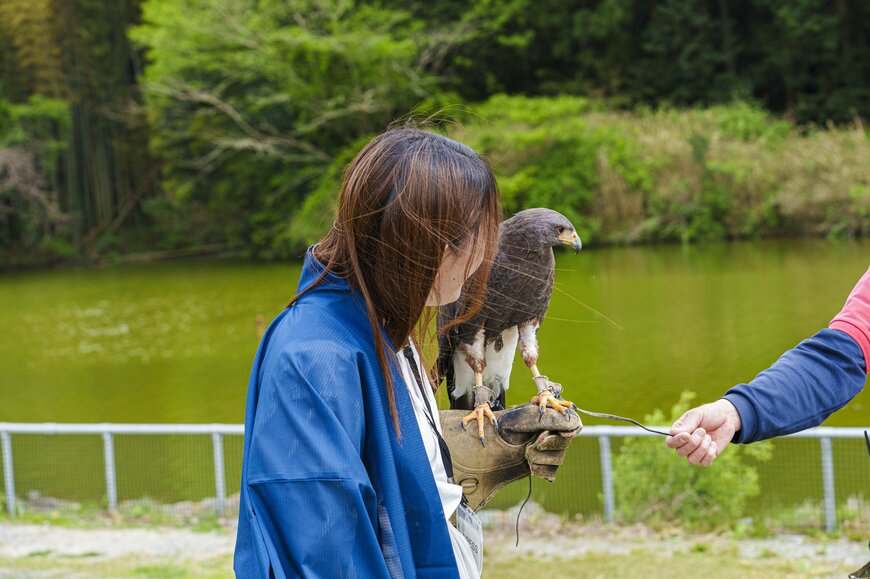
{"type": "Point", "coordinates": [483, 398]}
{"type": "Point", "coordinates": [475, 357]}
{"type": "Point", "coordinates": [549, 393]}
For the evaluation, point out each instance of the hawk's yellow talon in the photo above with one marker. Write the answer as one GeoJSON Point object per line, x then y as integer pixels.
{"type": "Point", "coordinates": [480, 413]}
{"type": "Point", "coordinates": [545, 399]}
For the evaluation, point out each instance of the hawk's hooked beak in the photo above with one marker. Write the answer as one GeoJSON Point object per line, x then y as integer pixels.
{"type": "Point", "coordinates": [573, 240]}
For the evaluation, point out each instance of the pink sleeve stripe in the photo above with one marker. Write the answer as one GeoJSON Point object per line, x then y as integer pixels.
{"type": "Point", "coordinates": [854, 318]}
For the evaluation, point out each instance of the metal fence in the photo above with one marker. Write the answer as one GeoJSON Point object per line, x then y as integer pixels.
{"type": "Point", "coordinates": [109, 433]}
{"type": "Point", "coordinates": [826, 471]}
{"type": "Point", "coordinates": [172, 465]}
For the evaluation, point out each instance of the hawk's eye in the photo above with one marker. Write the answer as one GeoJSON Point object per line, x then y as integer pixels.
{"type": "Point", "coordinates": [560, 230]}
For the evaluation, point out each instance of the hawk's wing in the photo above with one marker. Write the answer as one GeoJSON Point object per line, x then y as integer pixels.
{"type": "Point", "coordinates": [519, 290]}
{"type": "Point", "coordinates": [447, 345]}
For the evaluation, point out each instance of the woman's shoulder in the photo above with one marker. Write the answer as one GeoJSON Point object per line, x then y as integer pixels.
{"type": "Point", "coordinates": [309, 323]}
{"type": "Point", "coordinates": [310, 340]}
{"type": "Point", "coordinates": [308, 381]}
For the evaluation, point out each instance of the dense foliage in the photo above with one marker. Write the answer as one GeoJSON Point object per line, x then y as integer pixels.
{"type": "Point", "coordinates": [33, 137]}
{"type": "Point", "coordinates": [810, 58]}
{"type": "Point", "coordinates": [176, 123]}
{"type": "Point", "coordinates": [256, 97]}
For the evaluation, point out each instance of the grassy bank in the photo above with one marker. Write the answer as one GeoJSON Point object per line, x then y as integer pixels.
{"type": "Point", "coordinates": [723, 563]}
{"type": "Point", "coordinates": [687, 175]}
{"type": "Point", "coordinates": [691, 175]}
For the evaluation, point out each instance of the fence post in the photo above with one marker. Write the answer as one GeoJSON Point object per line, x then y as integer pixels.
{"type": "Point", "coordinates": [8, 473]}
{"type": "Point", "coordinates": [606, 477]}
{"type": "Point", "coordinates": [111, 483]}
{"type": "Point", "coordinates": [220, 485]}
{"type": "Point", "coordinates": [828, 484]}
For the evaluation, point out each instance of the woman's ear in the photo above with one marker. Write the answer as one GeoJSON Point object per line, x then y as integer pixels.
{"type": "Point", "coordinates": [451, 253]}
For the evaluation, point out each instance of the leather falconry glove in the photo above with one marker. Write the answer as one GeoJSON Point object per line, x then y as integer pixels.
{"type": "Point", "coordinates": [525, 441]}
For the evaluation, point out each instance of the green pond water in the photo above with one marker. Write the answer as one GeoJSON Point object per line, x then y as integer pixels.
{"type": "Point", "coordinates": [173, 342]}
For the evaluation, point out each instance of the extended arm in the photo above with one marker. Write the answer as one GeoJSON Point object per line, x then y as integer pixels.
{"type": "Point", "coordinates": [800, 390]}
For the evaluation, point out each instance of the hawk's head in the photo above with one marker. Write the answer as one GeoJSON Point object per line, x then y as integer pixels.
{"type": "Point", "coordinates": [544, 227]}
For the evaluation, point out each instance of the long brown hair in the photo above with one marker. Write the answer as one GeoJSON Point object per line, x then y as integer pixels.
{"type": "Point", "coordinates": [406, 195]}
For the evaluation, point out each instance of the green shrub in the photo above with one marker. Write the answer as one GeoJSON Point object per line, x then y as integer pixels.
{"type": "Point", "coordinates": [748, 122]}
{"type": "Point", "coordinates": [652, 484]}
{"type": "Point", "coordinates": [547, 154]}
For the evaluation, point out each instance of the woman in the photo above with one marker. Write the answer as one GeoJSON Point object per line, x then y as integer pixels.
{"type": "Point", "coordinates": [340, 475]}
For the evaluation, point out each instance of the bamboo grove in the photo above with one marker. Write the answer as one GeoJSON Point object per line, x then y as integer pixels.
{"type": "Point", "coordinates": [71, 118]}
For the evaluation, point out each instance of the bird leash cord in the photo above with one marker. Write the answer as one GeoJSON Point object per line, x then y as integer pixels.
{"type": "Point", "coordinates": [556, 389]}
{"type": "Point", "coordinates": [620, 418]}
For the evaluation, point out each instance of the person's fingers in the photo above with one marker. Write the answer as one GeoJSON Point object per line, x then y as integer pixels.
{"type": "Point", "coordinates": [696, 455]}
{"type": "Point", "coordinates": [694, 441]}
{"type": "Point", "coordinates": [678, 440]}
{"type": "Point", "coordinates": [711, 455]}
{"type": "Point", "coordinates": [688, 422]}
{"type": "Point", "coordinates": [549, 441]}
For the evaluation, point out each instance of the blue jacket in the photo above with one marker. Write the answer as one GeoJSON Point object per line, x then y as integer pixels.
{"type": "Point", "coordinates": [328, 490]}
{"type": "Point", "coordinates": [809, 382]}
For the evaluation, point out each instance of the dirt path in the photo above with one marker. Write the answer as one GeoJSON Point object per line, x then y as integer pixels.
{"type": "Point", "coordinates": [22, 540]}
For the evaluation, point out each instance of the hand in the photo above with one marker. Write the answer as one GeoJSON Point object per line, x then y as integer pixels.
{"type": "Point", "coordinates": [702, 433]}
{"type": "Point", "coordinates": [526, 442]}
{"type": "Point", "coordinates": [546, 435]}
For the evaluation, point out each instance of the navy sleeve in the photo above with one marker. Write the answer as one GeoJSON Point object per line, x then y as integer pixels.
{"type": "Point", "coordinates": [808, 383]}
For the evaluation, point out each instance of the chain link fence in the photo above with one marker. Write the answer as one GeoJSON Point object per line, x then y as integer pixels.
{"type": "Point", "coordinates": [190, 475]}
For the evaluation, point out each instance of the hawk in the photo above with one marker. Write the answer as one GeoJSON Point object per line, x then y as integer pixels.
{"type": "Point", "coordinates": [476, 356]}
